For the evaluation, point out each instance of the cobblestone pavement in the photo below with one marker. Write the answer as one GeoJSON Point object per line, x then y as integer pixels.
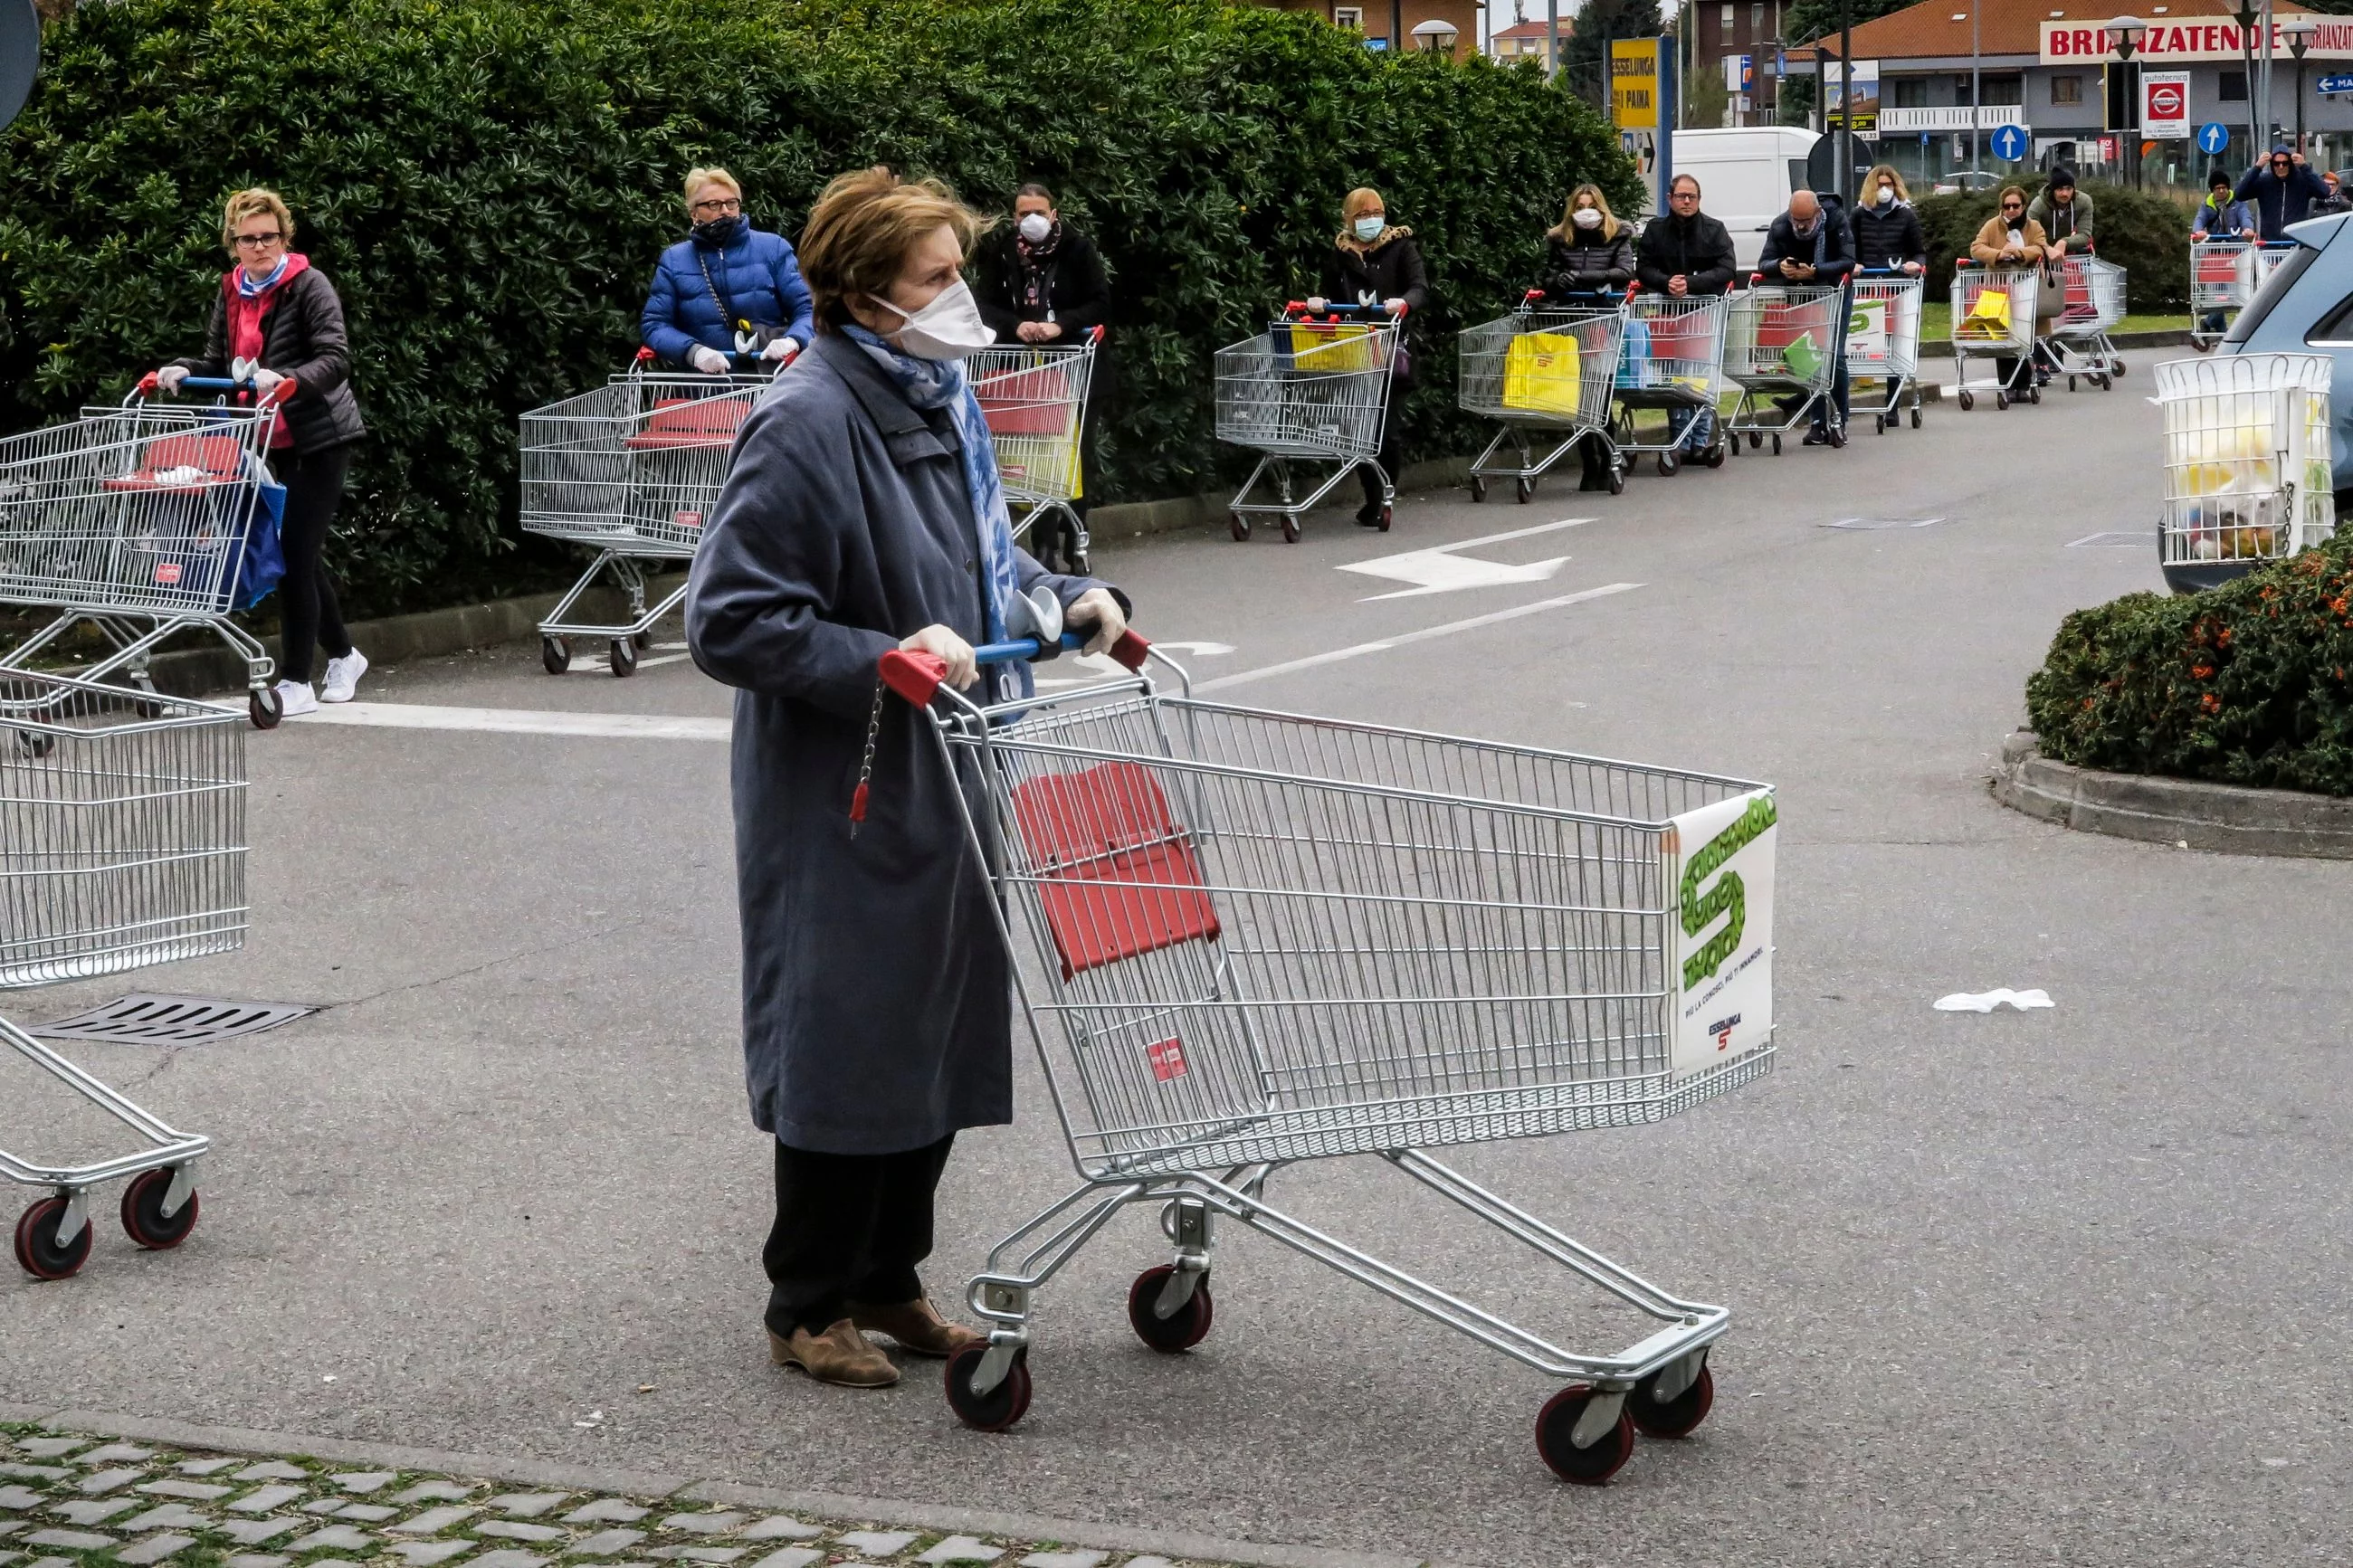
{"type": "Point", "coordinates": [72, 1501]}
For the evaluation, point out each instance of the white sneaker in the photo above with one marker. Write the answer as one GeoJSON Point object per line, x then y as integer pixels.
{"type": "Point", "coordinates": [295, 699]}
{"type": "Point", "coordinates": [343, 682]}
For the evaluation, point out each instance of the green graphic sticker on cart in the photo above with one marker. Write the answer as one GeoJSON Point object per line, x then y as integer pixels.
{"type": "Point", "coordinates": [1720, 861]}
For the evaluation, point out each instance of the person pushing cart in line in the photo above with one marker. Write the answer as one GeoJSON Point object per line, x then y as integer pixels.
{"type": "Point", "coordinates": [2011, 238]}
{"type": "Point", "coordinates": [1376, 262]}
{"type": "Point", "coordinates": [1684, 253]}
{"type": "Point", "coordinates": [725, 284]}
{"type": "Point", "coordinates": [1589, 253]}
{"type": "Point", "coordinates": [1808, 247]}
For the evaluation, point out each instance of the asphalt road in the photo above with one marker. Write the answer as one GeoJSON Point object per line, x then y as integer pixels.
{"type": "Point", "coordinates": [2065, 1287]}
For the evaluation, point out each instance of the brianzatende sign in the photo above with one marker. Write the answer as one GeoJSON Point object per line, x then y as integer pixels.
{"type": "Point", "coordinates": [2071, 43]}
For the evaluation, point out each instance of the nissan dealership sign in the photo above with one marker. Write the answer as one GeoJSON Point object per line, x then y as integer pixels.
{"type": "Point", "coordinates": [2193, 38]}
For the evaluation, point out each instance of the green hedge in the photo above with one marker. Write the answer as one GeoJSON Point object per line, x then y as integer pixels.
{"type": "Point", "coordinates": [488, 182]}
{"type": "Point", "coordinates": [2147, 235]}
{"type": "Point", "coordinates": [2251, 683]}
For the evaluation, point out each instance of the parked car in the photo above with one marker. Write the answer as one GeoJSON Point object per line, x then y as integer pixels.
{"type": "Point", "coordinates": [1966, 180]}
{"type": "Point", "coordinates": [2306, 305]}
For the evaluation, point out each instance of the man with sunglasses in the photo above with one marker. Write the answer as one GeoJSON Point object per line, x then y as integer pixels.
{"type": "Point", "coordinates": [2281, 190]}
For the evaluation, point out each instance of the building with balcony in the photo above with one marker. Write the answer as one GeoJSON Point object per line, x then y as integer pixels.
{"type": "Point", "coordinates": [1447, 26]}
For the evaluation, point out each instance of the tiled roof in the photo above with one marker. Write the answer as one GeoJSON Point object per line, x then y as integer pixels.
{"type": "Point", "coordinates": [1941, 27]}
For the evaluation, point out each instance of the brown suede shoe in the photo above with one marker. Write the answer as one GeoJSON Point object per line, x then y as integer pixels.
{"type": "Point", "coordinates": [839, 1355]}
{"type": "Point", "coordinates": [917, 1326]}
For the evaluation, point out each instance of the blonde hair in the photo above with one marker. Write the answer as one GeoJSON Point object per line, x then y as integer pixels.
{"type": "Point", "coordinates": [254, 203]}
{"type": "Point", "coordinates": [698, 177]}
{"type": "Point", "coordinates": [1563, 229]}
{"type": "Point", "coordinates": [1353, 206]}
{"type": "Point", "coordinates": [861, 230]}
{"type": "Point", "coordinates": [1888, 171]}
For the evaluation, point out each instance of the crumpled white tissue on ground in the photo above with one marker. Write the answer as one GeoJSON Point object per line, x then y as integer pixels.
{"type": "Point", "coordinates": [1987, 1000]}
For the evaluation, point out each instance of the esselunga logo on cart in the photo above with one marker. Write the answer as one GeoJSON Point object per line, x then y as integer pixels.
{"type": "Point", "coordinates": [1725, 899]}
{"type": "Point", "coordinates": [1722, 1029]}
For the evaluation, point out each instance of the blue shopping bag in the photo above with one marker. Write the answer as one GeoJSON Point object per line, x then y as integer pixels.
{"type": "Point", "coordinates": [1634, 359]}
{"type": "Point", "coordinates": [264, 565]}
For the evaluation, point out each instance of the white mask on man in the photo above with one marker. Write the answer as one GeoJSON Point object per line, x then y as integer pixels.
{"type": "Point", "coordinates": [948, 327]}
{"type": "Point", "coordinates": [1035, 227]}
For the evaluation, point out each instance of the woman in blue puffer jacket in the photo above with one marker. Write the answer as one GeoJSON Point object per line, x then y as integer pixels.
{"type": "Point", "coordinates": [725, 283]}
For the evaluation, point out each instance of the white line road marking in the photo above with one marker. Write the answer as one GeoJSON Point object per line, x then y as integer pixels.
{"type": "Point", "coordinates": [1404, 639]}
{"type": "Point", "coordinates": [1112, 670]}
{"type": "Point", "coordinates": [1439, 570]}
{"type": "Point", "coordinates": [518, 722]}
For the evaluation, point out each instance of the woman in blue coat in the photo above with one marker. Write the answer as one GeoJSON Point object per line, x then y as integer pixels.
{"type": "Point", "coordinates": [725, 283]}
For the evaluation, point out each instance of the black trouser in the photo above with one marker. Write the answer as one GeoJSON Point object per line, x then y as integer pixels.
{"type": "Point", "coordinates": [850, 1227]}
{"type": "Point", "coordinates": [1392, 454]}
{"type": "Point", "coordinates": [308, 614]}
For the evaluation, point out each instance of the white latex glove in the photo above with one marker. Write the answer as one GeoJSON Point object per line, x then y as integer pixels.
{"type": "Point", "coordinates": [1393, 306]}
{"type": "Point", "coordinates": [169, 378]}
{"type": "Point", "coordinates": [949, 649]}
{"type": "Point", "coordinates": [1096, 607]}
{"type": "Point", "coordinates": [264, 381]}
{"type": "Point", "coordinates": [709, 361]}
{"type": "Point", "coordinates": [1317, 304]}
{"type": "Point", "coordinates": [781, 350]}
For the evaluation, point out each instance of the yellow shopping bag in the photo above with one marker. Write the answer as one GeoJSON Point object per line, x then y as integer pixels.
{"type": "Point", "coordinates": [1540, 374]}
{"type": "Point", "coordinates": [1331, 347]}
{"type": "Point", "coordinates": [1989, 317]}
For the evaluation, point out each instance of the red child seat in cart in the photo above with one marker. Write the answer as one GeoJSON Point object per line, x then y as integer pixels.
{"type": "Point", "coordinates": [220, 459]}
{"type": "Point", "coordinates": [690, 422]}
{"type": "Point", "coordinates": [1116, 875]}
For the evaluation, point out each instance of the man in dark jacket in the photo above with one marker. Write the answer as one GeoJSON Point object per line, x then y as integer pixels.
{"type": "Point", "coordinates": [2281, 191]}
{"type": "Point", "coordinates": [1685, 253]}
{"type": "Point", "coordinates": [1808, 247]}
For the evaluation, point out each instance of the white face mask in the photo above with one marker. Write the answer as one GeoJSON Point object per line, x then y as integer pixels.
{"type": "Point", "coordinates": [1369, 226]}
{"type": "Point", "coordinates": [1035, 227]}
{"type": "Point", "coordinates": [1887, 195]}
{"type": "Point", "coordinates": [948, 327]}
{"type": "Point", "coordinates": [1585, 217]}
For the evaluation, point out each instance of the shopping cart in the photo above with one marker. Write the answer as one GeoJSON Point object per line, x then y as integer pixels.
{"type": "Point", "coordinates": [1882, 346]}
{"type": "Point", "coordinates": [2078, 342]}
{"type": "Point", "coordinates": [1311, 389]}
{"type": "Point", "coordinates": [1783, 347]}
{"type": "Point", "coordinates": [1034, 397]}
{"type": "Point", "coordinates": [1245, 939]}
{"type": "Point", "coordinates": [1993, 318]}
{"type": "Point", "coordinates": [2248, 473]}
{"type": "Point", "coordinates": [629, 469]}
{"type": "Point", "coordinates": [122, 845]}
{"type": "Point", "coordinates": [2221, 281]}
{"type": "Point", "coordinates": [1672, 366]}
{"type": "Point", "coordinates": [134, 523]}
{"type": "Point", "coordinates": [1544, 372]}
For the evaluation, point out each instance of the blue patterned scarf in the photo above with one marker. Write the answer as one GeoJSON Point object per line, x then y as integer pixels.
{"type": "Point", "coordinates": [942, 384]}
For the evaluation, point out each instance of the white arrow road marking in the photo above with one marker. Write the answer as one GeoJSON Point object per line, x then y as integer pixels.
{"type": "Point", "coordinates": [1442, 571]}
{"type": "Point", "coordinates": [1404, 639]}
{"type": "Point", "coordinates": [518, 722]}
{"type": "Point", "coordinates": [1110, 669]}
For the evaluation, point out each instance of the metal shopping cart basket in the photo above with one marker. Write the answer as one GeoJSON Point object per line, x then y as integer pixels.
{"type": "Point", "coordinates": [1034, 397]}
{"type": "Point", "coordinates": [2221, 281]}
{"type": "Point", "coordinates": [2078, 342]}
{"type": "Point", "coordinates": [629, 469]}
{"type": "Point", "coordinates": [1247, 939]}
{"type": "Point", "coordinates": [1993, 317]}
{"type": "Point", "coordinates": [1672, 366]}
{"type": "Point", "coordinates": [2248, 474]}
{"type": "Point", "coordinates": [122, 845]}
{"type": "Point", "coordinates": [1309, 389]}
{"type": "Point", "coordinates": [1784, 342]}
{"type": "Point", "coordinates": [1546, 373]}
{"type": "Point", "coordinates": [134, 523]}
{"type": "Point", "coordinates": [1882, 346]}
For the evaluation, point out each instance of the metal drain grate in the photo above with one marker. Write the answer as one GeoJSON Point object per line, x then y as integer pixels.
{"type": "Point", "coordinates": [145, 1020]}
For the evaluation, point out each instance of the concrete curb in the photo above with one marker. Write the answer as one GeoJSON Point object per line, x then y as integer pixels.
{"type": "Point", "coordinates": [1179, 1544]}
{"type": "Point", "coordinates": [2230, 820]}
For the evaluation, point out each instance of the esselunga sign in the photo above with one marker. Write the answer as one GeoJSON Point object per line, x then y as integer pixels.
{"type": "Point", "coordinates": [2193, 38]}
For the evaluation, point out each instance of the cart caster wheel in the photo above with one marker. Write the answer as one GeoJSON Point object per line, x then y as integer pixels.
{"type": "Point", "coordinates": [1668, 464]}
{"type": "Point", "coordinates": [1916, 417]}
{"type": "Point", "coordinates": [1754, 440]}
{"type": "Point", "coordinates": [2001, 400]}
{"type": "Point", "coordinates": [1240, 526]}
{"type": "Point", "coordinates": [144, 1219]}
{"type": "Point", "coordinates": [37, 1242]}
{"type": "Point", "coordinates": [1478, 488]}
{"type": "Point", "coordinates": [2105, 381]}
{"type": "Point", "coordinates": [1880, 422]}
{"type": "Point", "coordinates": [1524, 490]}
{"type": "Point", "coordinates": [2034, 394]}
{"type": "Point", "coordinates": [1617, 480]}
{"type": "Point", "coordinates": [34, 743]}
{"type": "Point", "coordinates": [1776, 443]}
{"type": "Point", "coordinates": [1676, 1417]}
{"type": "Point", "coordinates": [1714, 457]}
{"type": "Point", "coordinates": [1389, 516]}
{"type": "Point", "coordinates": [556, 653]}
{"type": "Point", "coordinates": [264, 708]}
{"type": "Point", "coordinates": [2070, 383]}
{"type": "Point", "coordinates": [2120, 370]}
{"type": "Point", "coordinates": [1001, 1406]}
{"type": "Point", "coordinates": [1967, 402]}
{"type": "Point", "coordinates": [1187, 1326]}
{"type": "Point", "coordinates": [1291, 530]}
{"type": "Point", "coordinates": [623, 657]}
{"type": "Point", "coordinates": [1585, 1467]}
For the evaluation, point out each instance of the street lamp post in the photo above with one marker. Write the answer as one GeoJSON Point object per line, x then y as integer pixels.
{"type": "Point", "coordinates": [2246, 16]}
{"type": "Point", "coordinates": [2124, 35]}
{"type": "Point", "coordinates": [2298, 32]}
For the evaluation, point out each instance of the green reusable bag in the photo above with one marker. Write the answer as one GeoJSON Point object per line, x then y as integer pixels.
{"type": "Point", "coordinates": [1801, 357]}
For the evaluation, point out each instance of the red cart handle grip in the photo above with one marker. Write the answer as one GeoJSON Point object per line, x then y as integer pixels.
{"type": "Point", "coordinates": [917, 676]}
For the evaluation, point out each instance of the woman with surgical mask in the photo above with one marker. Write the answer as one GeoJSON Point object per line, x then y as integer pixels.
{"type": "Point", "coordinates": [1040, 280]}
{"type": "Point", "coordinates": [1887, 234]}
{"type": "Point", "coordinates": [727, 290]}
{"type": "Point", "coordinates": [1375, 262]}
{"type": "Point", "coordinates": [861, 515]}
{"type": "Point", "coordinates": [1589, 250]}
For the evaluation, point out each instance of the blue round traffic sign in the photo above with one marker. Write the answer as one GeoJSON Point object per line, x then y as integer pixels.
{"type": "Point", "coordinates": [2009, 143]}
{"type": "Point", "coordinates": [2212, 137]}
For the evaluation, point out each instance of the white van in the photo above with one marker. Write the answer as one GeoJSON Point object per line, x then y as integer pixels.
{"type": "Point", "coordinates": [1746, 177]}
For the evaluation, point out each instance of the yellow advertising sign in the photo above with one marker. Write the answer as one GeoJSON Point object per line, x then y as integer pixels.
{"type": "Point", "coordinates": [1634, 83]}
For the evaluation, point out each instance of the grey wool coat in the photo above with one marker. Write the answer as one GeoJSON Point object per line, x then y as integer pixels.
{"type": "Point", "coordinates": [877, 1007]}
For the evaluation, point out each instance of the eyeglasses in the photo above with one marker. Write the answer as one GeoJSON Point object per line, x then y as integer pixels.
{"type": "Point", "coordinates": [1683, 196]}
{"type": "Point", "coordinates": [2013, 207]}
{"type": "Point", "coordinates": [730, 204]}
{"type": "Point", "coordinates": [256, 241]}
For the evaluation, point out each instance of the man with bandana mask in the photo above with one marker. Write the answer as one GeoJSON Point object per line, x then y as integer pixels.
{"type": "Point", "coordinates": [727, 288]}
{"type": "Point", "coordinates": [1808, 247]}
